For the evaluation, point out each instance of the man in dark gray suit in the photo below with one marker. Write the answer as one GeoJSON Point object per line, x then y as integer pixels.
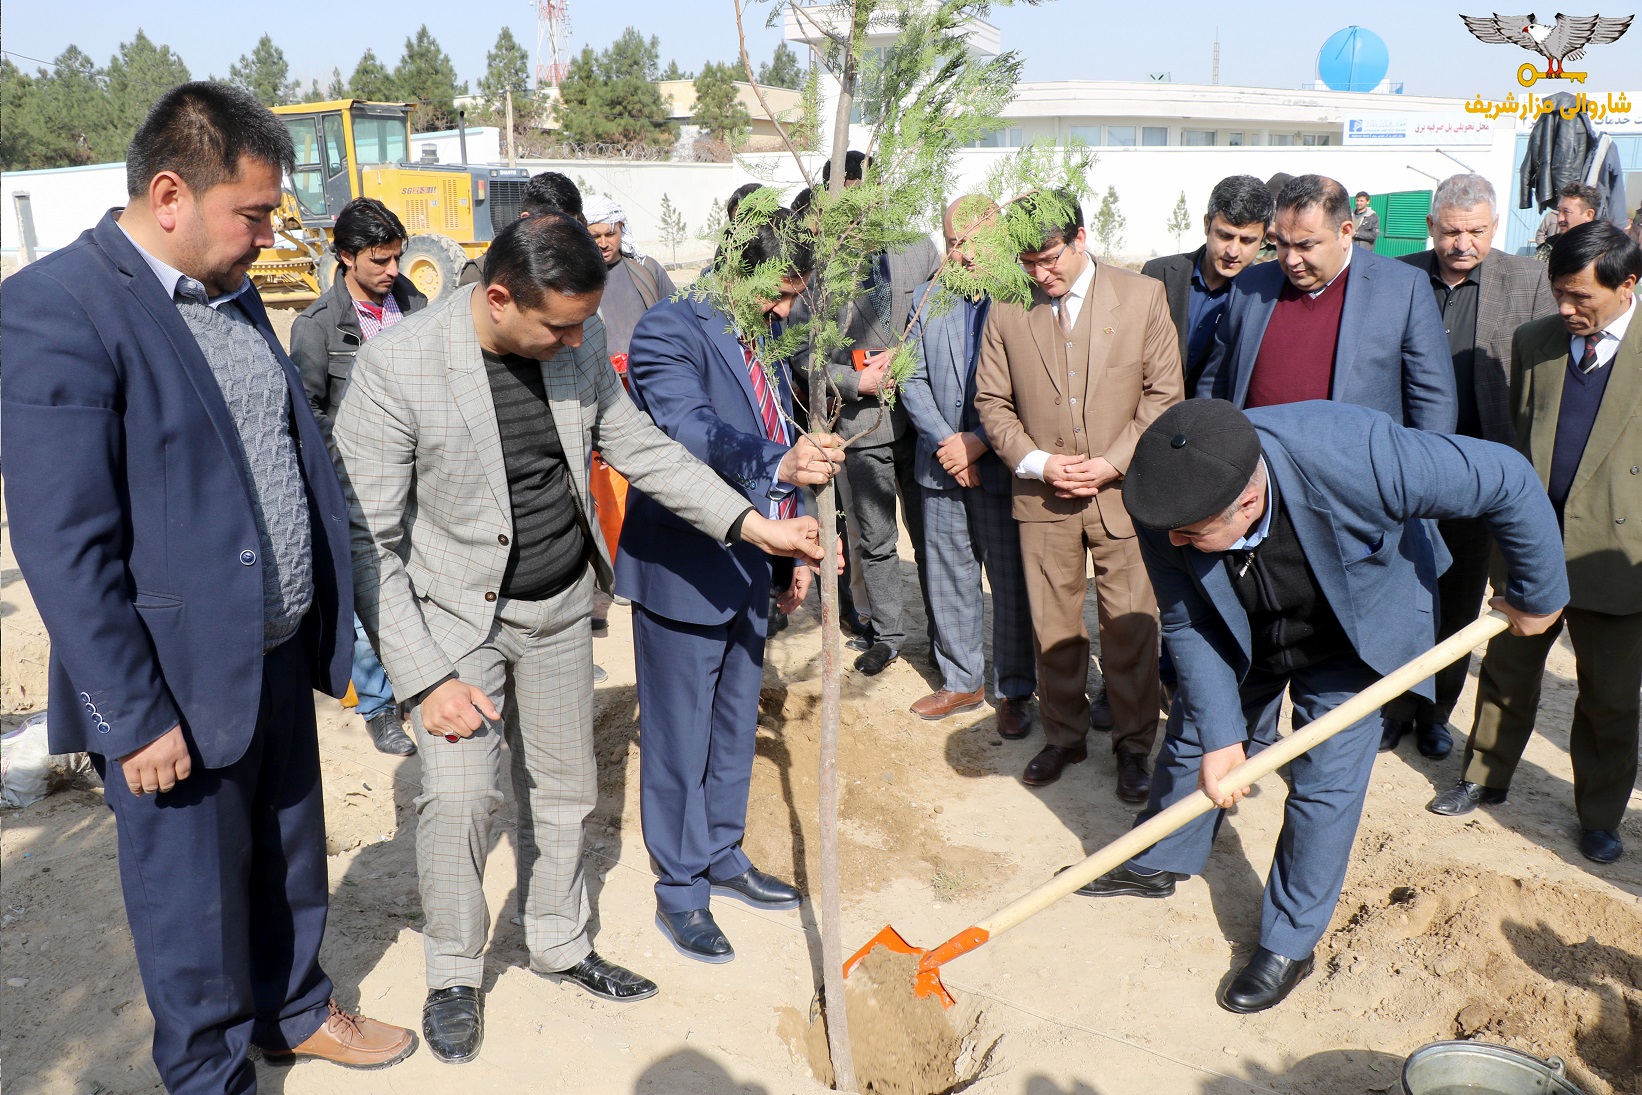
{"type": "Point", "coordinates": [880, 464]}
{"type": "Point", "coordinates": [968, 521]}
{"type": "Point", "coordinates": [1198, 283]}
{"type": "Point", "coordinates": [1483, 296]}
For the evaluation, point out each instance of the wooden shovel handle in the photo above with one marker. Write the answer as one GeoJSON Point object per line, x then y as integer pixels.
{"type": "Point", "coordinates": [1262, 764]}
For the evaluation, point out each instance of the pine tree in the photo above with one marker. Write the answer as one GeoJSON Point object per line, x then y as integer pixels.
{"type": "Point", "coordinates": [22, 141]}
{"type": "Point", "coordinates": [264, 73]}
{"type": "Point", "coordinates": [1108, 223]}
{"type": "Point", "coordinates": [1180, 220]}
{"type": "Point", "coordinates": [719, 111]}
{"type": "Point", "coordinates": [426, 77]}
{"type": "Point", "coordinates": [337, 89]}
{"type": "Point", "coordinates": [610, 98]}
{"type": "Point", "coordinates": [75, 123]}
{"type": "Point", "coordinates": [673, 72]}
{"type": "Point", "coordinates": [137, 76]}
{"type": "Point", "coordinates": [372, 81]}
{"type": "Point", "coordinates": [714, 223]}
{"type": "Point", "coordinates": [507, 68]}
{"type": "Point", "coordinates": [782, 69]}
{"type": "Point", "coordinates": [673, 229]}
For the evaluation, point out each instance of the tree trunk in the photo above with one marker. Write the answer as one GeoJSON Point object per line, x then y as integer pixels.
{"type": "Point", "coordinates": [832, 904]}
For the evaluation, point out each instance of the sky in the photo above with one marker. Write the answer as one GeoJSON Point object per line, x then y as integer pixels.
{"type": "Point", "coordinates": [1271, 45]}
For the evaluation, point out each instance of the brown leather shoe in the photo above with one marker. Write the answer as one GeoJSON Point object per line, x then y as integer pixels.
{"type": "Point", "coordinates": [1014, 718]}
{"type": "Point", "coordinates": [1134, 782]}
{"type": "Point", "coordinates": [938, 705]}
{"type": "Point", "coordinates": [1051, 761]}
{"type": "Point", "coordinates": [353, 1041]}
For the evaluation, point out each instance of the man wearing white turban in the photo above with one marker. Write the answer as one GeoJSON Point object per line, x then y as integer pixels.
{"type": "Point", "coordinates": [637, 281]}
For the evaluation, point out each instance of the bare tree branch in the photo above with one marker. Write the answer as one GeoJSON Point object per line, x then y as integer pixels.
{"type": "Point", "coordinates": [758, 91]}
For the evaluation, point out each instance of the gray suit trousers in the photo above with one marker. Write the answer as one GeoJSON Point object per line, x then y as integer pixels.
{"type": "Point", "coordinates": [536, 665]}
{"type": "Point", "coordinates": [964, 530]}
{"type": "Point", "coordinates": [878, 474]}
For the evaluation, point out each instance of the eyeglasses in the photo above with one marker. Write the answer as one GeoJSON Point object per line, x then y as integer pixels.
{"type": "Point", "coordinates": [1044, 262]}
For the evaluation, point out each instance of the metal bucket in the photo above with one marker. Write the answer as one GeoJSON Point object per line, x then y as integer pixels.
{"type": "Point", "coordinates": [1477, 1068]}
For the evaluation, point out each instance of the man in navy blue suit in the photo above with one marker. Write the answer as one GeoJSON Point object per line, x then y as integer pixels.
{"type": "Point", "coordinates": [1331, 321]}
{"type": "Point", "coordinates": [700, 608]}
{"type": "Point", "coordinates": [176, 515]}
{"type": "Point", "coordinates": [1292, 552]}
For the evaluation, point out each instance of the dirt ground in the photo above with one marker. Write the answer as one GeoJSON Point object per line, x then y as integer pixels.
{"type": "Point", "coordinates": [1491, 926]}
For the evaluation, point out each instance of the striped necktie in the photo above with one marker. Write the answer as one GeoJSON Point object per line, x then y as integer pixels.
{"type": "Point", "coordinates": [1587, 364]}
{"type": "Point", "coordinates": [770, 414]}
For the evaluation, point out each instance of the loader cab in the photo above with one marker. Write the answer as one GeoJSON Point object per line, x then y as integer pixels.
{"type": "Point", "coordinates": [334, 143]}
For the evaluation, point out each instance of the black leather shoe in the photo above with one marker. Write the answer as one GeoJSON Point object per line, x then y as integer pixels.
{"type": "Point", "coordinates": [453, 1023]}
{"type": "Point", "coordinates": [1051, 761]}
{"type": "Point", "coordinates": [875, 659]}
{"type": "Point", "coordinates": [1134, 781]}
{"type": "Point", "coordinates": [1434, 739]}
{"type": "Point", "coordinates": [759, 890]}
{"type": "Point", "coordinates": [1014, 718]}
{"type": "Point", "coordinates": [695, 934]}
{"type": "Point", "coordinates": [1464, 797]}
{"type": "Point", "coordinates": [606, 980]}
{"type": "Point", "coordinates": [1124, 882]}
{"type": "Point", "coordinates": [388, 733]}
{"type": "Point", "coordinates": [1392, 731]}
{"type": "Point", "coordinates": [1100, 712]}
{"type": "Point", "coordinates": [1264, 982]}
{"type": "Point", "coordinates": [1600, 845]}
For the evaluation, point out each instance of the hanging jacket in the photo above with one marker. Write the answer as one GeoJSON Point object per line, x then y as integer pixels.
{"type": "Point", "coordinates": [1603, 171]}
{"type": "Point", "coordinates": [1558, 151]}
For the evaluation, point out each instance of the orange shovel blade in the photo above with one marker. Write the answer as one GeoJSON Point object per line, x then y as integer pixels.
{"type": "Point", "coordinates": [928, 979]}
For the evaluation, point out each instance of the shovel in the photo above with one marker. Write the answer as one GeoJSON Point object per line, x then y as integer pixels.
{"type": "Point", "coordinates": [1138, 839]}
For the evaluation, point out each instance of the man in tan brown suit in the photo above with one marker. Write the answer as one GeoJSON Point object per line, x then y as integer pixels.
{"type": "Point", "coordinates": [1065, 388]}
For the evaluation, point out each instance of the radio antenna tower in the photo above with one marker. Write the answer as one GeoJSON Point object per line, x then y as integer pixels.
{"type": "Point", "coordinates": [552, 42]}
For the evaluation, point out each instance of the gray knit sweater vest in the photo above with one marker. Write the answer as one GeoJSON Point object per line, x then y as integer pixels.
{"type": "Point", "coordinates": [259, 401]}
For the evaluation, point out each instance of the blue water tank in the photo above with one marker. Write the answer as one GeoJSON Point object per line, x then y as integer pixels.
{"type": "Point", "coordinates": [1353, 59]}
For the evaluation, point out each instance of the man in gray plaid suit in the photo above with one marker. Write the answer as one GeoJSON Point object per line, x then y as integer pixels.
{"type": "Point", "coordinates": [1484, 296]}
{"type": "Point", "coordinates": [464, 439]}
{"type": "Point", "coordinates": [968, 522]}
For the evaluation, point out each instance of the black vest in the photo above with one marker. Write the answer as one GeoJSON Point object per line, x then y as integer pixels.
{"type": "Point", "coordinates": [1290, 621]}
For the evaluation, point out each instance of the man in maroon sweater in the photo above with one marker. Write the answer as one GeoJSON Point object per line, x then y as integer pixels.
{"type": "Point", "coordinates": [1330, 321]}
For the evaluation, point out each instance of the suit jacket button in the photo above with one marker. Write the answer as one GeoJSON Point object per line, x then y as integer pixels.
{"type": "Point", "coordinates": [248, 557]}
{"type": "Point", "coordinates": [85, 697]}
{"type": "Point", "coordinates": [1057, 401]}
{"type": "Point", "coordinates": [103, 728]}
{"type": "Point", "coordinates": [1635, 468]}
{"type": "Point", "coordinates": [91, 709]}
{"type": "Point", "coordinates": [1619, 520]}
{"type": "Point", "coordinates": [502, 540]}
{"type": "Point", "coordinates": [490, 596]}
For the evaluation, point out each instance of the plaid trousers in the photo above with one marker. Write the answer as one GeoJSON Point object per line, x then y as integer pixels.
{"type": "Point", "coordinates": [964, 530]}
{"type": "Point", "coordinates": [536, 665]}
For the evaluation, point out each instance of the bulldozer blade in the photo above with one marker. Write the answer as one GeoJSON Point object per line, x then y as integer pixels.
{"type": "Point", "coordinates": [927, 981]}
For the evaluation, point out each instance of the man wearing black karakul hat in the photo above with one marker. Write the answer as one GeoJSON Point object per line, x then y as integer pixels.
{"type": "Point", "coordinates": [1288, 553]}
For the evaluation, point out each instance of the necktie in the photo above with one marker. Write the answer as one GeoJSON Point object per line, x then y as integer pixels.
{"type": "Point", "coordinates": [770, 414]}
{"type": "Point", "coordinates": [1064, 312]}
{"type": "Point", "coordinates": [1587, 363]}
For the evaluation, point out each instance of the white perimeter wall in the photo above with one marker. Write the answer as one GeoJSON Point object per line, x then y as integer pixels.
{"type": "Point", "coordinates": [1148, 182]}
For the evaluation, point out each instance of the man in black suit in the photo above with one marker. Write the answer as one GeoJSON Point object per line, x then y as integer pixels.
{"type": "Point", "coordinates": [1483, 296]}
{"type": "Point", "coordinates": [176, 515]}
{"type": "Point", "coordinates": [1198, 282]}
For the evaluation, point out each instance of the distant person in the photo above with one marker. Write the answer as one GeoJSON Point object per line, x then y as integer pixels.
{"type": "Point", "coordinates": [1290, 551]}
{"type": "Point", "coordinates": [1198, 282]}
{"type": "Point", "coordinates": [1465, 270]}
{"type": "Point", "coordinates": [1545, 234]}
{"type": "Point", "coordinates": [968, 522]}
{"type": "Point", "coordinates": [1065, 386]}
{"type": "Point", "coordinates": [1577, 204]}
{"type": "Point", "coordinates": [1576, 383]}
{"type": "Point", "coordinates": [637, 281]}
{"type": "Point", "coordinates": [1366, 223]}
{"type": "Point", "coordinates": [733, 202]}
{"type": "Point", "coordinates": [856, 165]}
{"type": "Point", "coordinates": [368, 297]}
{"type": "Point", "coordinates": [552, 192]}
{"type": "Point", "coordinates": [1331, 321]}
{"type": "Point", "coordinates": [178, 520]}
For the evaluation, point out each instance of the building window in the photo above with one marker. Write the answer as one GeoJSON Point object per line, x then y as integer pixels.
{"type": "Point", "coordinates": [1234, 140]}
{"type": "Point", "coordinates": [1088, 134]}
{"type": "Point", "coordinates": [999, 138]}
{"type": "Point", "coordinates": [1282, 138]}
{"type": "Point", "coordinates": [1154, 135]}
{"type": "Point", "coordinates": [1197, 138]}
{"type": "Point", "coordinates": [1314, 139]}
{"type": "Point", "coordinates": [1120, 134]}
